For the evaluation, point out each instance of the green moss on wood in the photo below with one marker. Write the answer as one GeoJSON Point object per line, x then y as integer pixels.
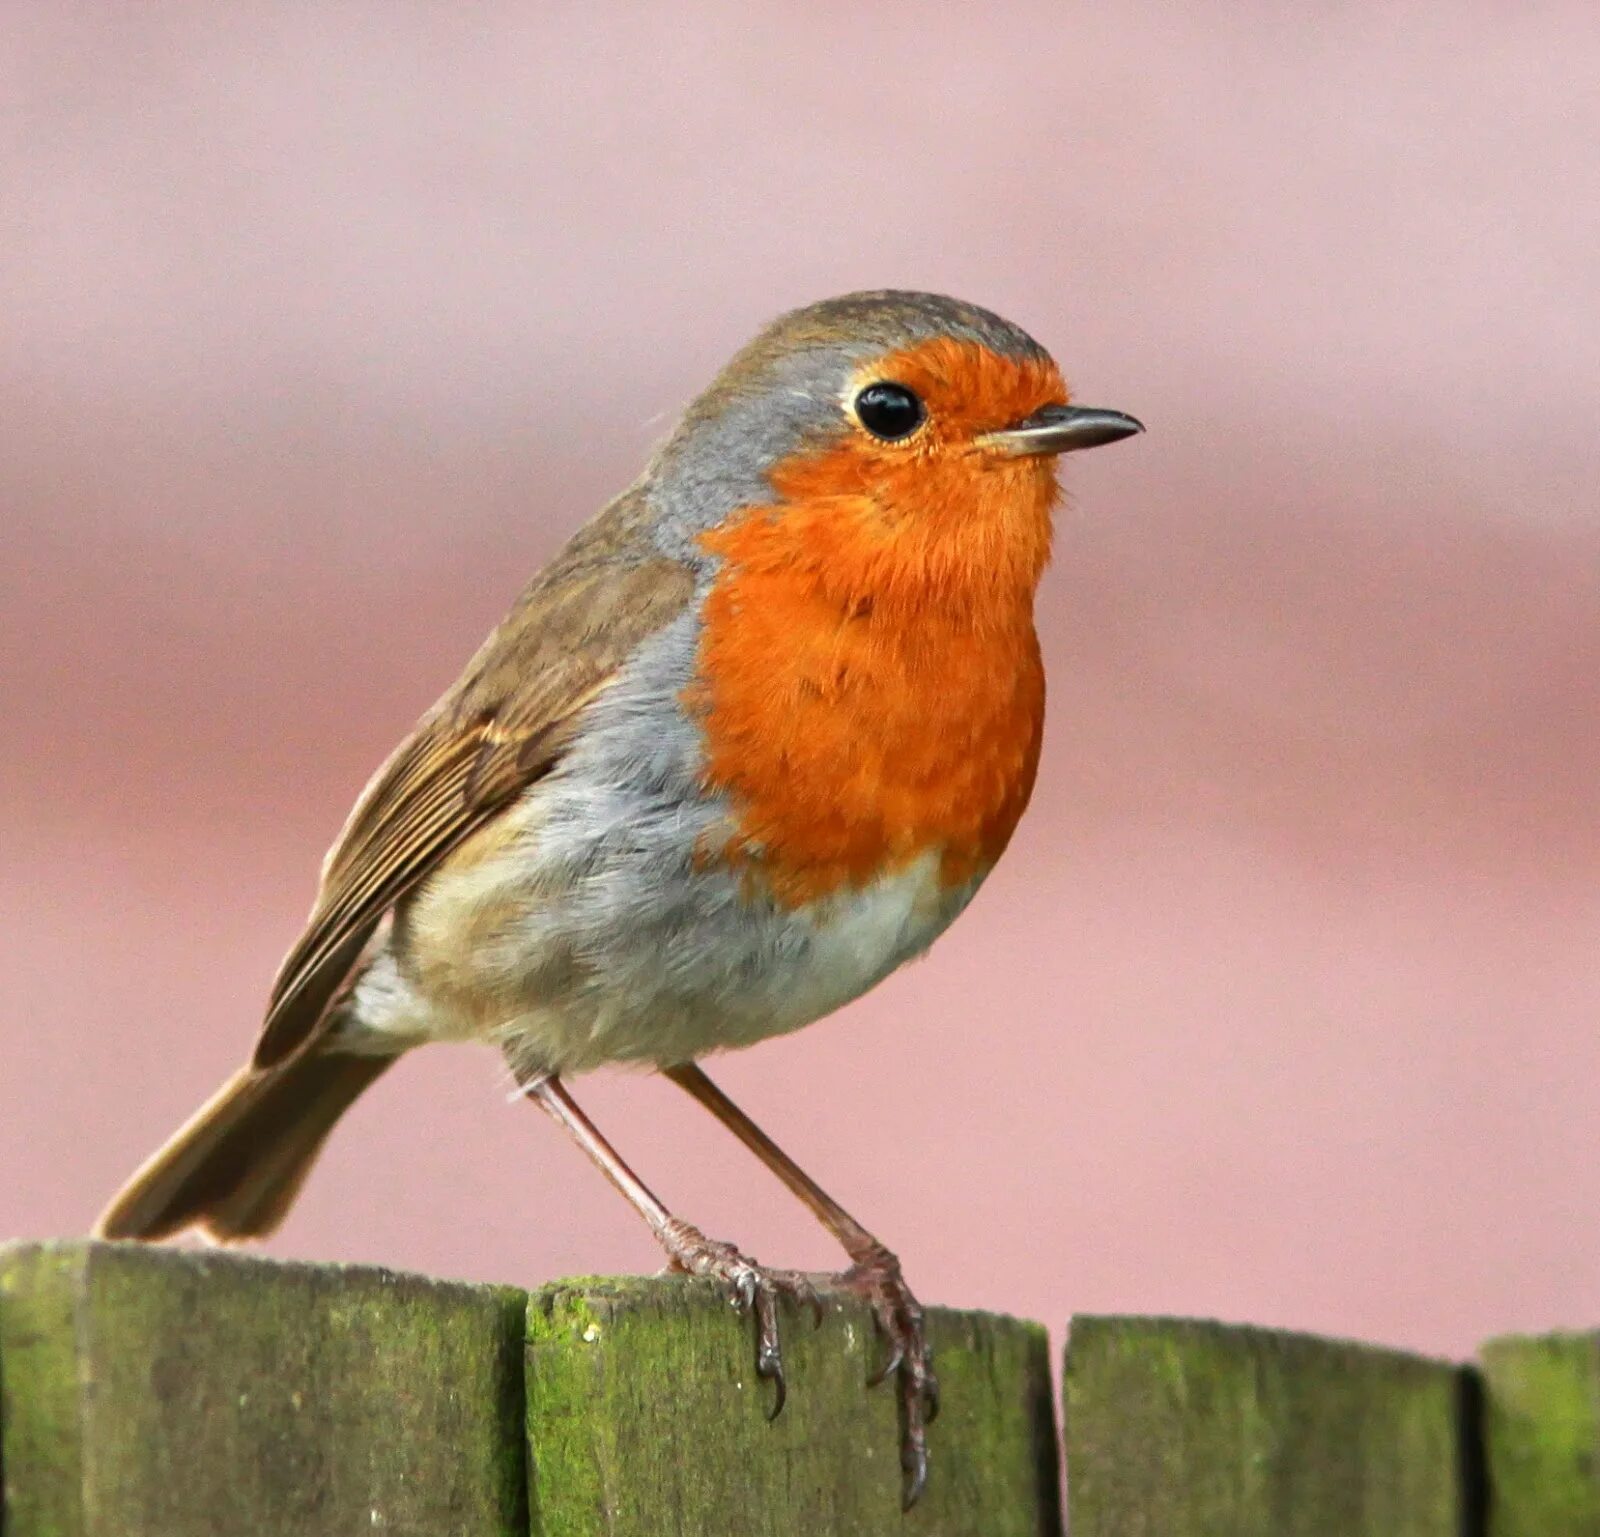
{"type": "Point", "coordinates": [157, 1391]}
{"type": "Point", "coordinates": [149, 1392]}
{"type": "Point", "coordinates": [1198, 1430]}
{"type": "Point", "coordinates": [1542, 1419]}
{"type": "Point", "coordinates": [645, 1417]}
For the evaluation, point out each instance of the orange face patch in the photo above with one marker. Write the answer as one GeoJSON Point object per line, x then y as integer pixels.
{"type": "Point", "coordinates": [870, 684]}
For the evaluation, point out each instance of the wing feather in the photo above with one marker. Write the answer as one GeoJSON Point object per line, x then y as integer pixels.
{"type": "Point", "coordinates": [501, 728]}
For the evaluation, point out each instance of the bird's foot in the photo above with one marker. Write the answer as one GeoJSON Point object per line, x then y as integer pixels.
{"type": "Point", "coordinates": [876, 1278]}
{"type": "Point", "coordinates": [751, 1287]}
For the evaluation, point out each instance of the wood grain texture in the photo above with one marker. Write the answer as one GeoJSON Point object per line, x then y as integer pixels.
{"type": "Point", "coordinates": [1542, 1424]}
{"type": "Point", "coordinates": [1189, 1429]}
{"type": "Point", "coordinates": [645, 1417]}
{"type": "Point", "coordinates": [164, 1393]}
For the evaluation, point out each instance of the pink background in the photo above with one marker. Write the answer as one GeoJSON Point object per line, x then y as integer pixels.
{"type": "Point", "coordinates": [324, 325]}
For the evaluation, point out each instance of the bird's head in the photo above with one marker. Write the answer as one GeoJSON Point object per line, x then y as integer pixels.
{"type": "Point", "coordinates": [902, 443]}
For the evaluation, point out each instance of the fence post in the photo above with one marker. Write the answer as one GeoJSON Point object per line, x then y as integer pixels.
{"type": "Point", "coordinates": [1542, 1418]}
{"type": "Point", "coordinates": [171, 1393]}
{"type": "Point", "coordinates": [1183, 1429]}
{"type": "Point", "coordinates": [646, 1418]}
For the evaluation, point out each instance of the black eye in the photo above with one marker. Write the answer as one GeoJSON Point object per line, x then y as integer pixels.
{"type": "Point", "coordinates": [889, 411]}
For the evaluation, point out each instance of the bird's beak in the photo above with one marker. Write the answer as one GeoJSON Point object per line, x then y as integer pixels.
{"type": "Point", "coordinates": [1061, 430]}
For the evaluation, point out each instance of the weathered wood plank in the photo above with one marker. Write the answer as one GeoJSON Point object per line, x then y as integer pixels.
{"type": "Point", "coordinates": [1187, 1429]}
{"type": "Point", "coordinates": [645, 1417]}
{"type": "Point", "coordinates": [1542, 1425]}
{"type": "Point", "coordinates": [164, 1393]}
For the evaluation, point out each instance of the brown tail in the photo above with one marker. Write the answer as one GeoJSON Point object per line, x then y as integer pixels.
{"type": "Point", "coordinates": [235, 1168]}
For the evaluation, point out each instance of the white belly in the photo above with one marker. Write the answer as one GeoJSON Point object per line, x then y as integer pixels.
{"type": "Point", "coordinates": [567, 982]}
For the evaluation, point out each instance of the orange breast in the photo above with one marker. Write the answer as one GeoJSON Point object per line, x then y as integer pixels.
{"type": "Point", "coordinates": [870, 684]}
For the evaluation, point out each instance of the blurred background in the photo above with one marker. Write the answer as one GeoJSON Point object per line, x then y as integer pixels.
{"type": "Point", "coordinates": [323, 325]}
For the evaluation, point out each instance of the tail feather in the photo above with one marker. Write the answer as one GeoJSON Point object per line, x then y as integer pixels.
{"type": "Point", "coordinates": [235, 1168]}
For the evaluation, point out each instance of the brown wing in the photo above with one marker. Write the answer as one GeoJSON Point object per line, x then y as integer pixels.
{"type": "Point", "coordinates": [504, 725]}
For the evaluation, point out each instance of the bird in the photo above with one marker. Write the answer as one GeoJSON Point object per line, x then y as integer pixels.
{"type": "Point", "coordinates": [750, 741]}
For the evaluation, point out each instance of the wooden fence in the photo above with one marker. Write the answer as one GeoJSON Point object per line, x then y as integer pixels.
{"type": "Point", "coordinates": [159, 1393]}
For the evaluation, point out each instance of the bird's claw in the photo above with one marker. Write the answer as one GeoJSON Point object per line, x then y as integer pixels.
{"type": "Point", "coordinates": [896, 1313]}
{"type": "Point", "coordinates": [892, 1361]}
{"type": "Point", "coordinates": [752, 1288]}
{"type": "Point", "coordinates": [899, 1319]}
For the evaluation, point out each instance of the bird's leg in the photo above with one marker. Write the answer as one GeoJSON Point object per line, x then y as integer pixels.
{"type": "Point", "coordinates": [753, 1288]}
{"type": "Point", "coordinates": [874, 1274]}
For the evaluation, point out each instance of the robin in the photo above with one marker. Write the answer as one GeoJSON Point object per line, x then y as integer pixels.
{"type": "Point", "coordinates": [750, 742]}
